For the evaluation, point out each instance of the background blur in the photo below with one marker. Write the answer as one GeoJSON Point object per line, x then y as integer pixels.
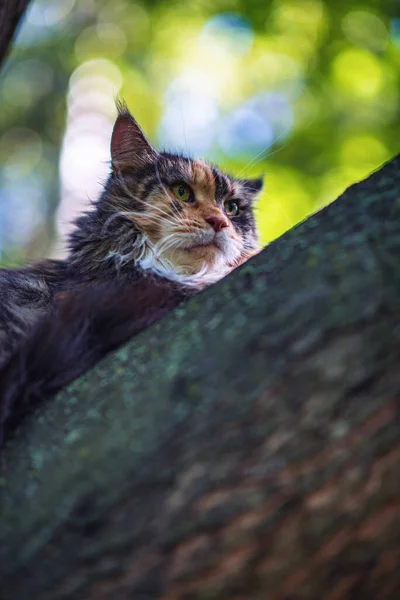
{"type": "Point", "coordinates": [305, 91]}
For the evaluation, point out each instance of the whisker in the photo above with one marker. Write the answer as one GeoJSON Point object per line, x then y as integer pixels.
{"type": "Point", "coordinates": [145, 202]}
{"type": "Point", "coordinates": [121, 213]}
{"type": "Point", "coordinates": [280, 136]}
{"type": "Point", "coordinates": [150, 205]}
{"type": "Point", "coordinates": [165, 189]}
{"type": "Point", "coordinates": [141, 200]}
{"type": "Point", "coordinates": [259, 157]}
{"type": "Point", "coordinates": [174, 240]}
{"type": "Point", "coordinates": [178, 232]}
{"type": "Point", "coordinates": [129, 193]}
{"type": "Point", "coordinates": [168, 242]}
{"type": "Point", "coordinates": [279, 204]}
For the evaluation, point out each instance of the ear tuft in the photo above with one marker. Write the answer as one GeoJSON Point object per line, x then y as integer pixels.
{"type": "Point", "coordinates": [129, 145]}
{"type": "Point", "coordinates": [253, 185]}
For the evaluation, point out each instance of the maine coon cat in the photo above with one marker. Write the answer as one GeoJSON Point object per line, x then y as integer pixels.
{"type": "Point", "coordinates": [164, 227]}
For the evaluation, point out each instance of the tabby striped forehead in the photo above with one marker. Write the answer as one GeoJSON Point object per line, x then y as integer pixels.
{"type": "Point", "coordinates": [205, 179]}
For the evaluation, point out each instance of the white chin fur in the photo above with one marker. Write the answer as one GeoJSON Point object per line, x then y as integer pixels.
{"type": "Point", "coordinates": [145, 256]}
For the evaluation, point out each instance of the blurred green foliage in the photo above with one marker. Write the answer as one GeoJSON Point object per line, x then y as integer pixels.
{"type": "Point", "coordinates": [306, 92]}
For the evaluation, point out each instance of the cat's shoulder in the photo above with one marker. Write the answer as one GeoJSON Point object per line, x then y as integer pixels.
{"type": "Point", "coordinates": [32, 281]}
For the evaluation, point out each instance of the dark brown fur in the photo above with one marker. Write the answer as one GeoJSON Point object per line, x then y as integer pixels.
{"type": "Point", "coordinates": [26, 295]}
{"type": "Point", "coordinates": [72, 338]}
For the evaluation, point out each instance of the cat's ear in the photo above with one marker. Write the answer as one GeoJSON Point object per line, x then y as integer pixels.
{"type": "Point", "coordinates": [254, 186]}
{"type": "Point", "coordinates": [129, 145]}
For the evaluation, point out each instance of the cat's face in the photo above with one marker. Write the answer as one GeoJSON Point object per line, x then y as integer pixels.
{"type": "Point", "coordinates": [196, 223]}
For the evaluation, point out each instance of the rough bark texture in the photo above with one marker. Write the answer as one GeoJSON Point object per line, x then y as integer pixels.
{"type": "Point", "coordinates": [246, 446]}
{"type": "Point", "coordinates": [11, 12]}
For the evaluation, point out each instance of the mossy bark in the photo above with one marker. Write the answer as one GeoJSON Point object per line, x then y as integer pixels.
{"type": "Point", "coordinates": [245, 446]}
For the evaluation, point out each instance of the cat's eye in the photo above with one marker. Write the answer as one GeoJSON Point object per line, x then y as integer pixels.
{"type": "Point", "coordinates": [231, 208]}
{"type": "Point", "coordinates": [182, 192]}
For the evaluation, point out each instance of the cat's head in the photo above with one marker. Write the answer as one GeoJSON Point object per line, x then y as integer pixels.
{"type": "Point", "coordinates": [193, 223]}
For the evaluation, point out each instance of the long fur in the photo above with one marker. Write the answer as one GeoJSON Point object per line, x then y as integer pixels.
{"type": "Point", "coordinates": [67, 342]}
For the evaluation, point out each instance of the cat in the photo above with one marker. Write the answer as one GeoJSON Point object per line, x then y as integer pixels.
{"type": "Point", "coordinates": [165, 227]}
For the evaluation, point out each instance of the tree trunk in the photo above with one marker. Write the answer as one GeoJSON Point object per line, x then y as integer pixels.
{"type": "Point", "coordinates": [11, 12]}
{"type": "Point", "coordinates": [246, 446]}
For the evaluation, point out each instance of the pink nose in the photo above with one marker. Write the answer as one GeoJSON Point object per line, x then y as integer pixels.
{"type": "Point", "coordinates": [217, 223]}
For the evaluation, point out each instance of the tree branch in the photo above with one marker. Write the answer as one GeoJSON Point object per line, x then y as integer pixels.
{"type": "Point", "coordinates": [246, 446]}
{"type": "Point", "coordinates": [11, 12]}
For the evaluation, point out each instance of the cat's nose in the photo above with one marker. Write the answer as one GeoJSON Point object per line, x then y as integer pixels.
{"type": "Point", "coordinates": [217, 223]}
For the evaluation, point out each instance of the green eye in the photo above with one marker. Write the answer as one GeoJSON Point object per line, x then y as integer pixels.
{"type": "Point", "coordinates": [182, 192]}
{"type": "Point", "coordinates": [231, 208]}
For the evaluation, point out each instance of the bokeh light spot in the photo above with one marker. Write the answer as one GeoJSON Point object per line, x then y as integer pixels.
{"type": "Point", "coordinates": [20, 152]}
{"type": "Point", "coordinates": [279, 72]}
{"type": "Point", "coordinates": [232, 32]}
{"type": "Point", "coordinates": [358, 72]}
{"type": "Point", "coordinates": [47, 12]}
{"type": "Point", "coordinates": [245, 133]}
{"type": "Point", "coordinates": [364, 150]}
{"type": "Point", "coordinates": [306, 17]}
{"type": "Point", "coordinates": [27, 81]}
{"type": "Point", "coordinates": [395, 30]}
{"type": "Point", "coordinates": [99, 74]}
{"type": "Point", "coordinates": [254, 126]}
{"type": "Point", "coordinates": [365, 29]}
{"type": "Point", "coordinates": [189, 123]}
{"type": "Point", "coordinates": [103, 39]}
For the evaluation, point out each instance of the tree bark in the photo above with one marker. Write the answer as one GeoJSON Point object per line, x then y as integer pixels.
{"type": "Point", "coordinates": [11, 12]}
{"type": "Point", "coordinates": [246, 446]}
